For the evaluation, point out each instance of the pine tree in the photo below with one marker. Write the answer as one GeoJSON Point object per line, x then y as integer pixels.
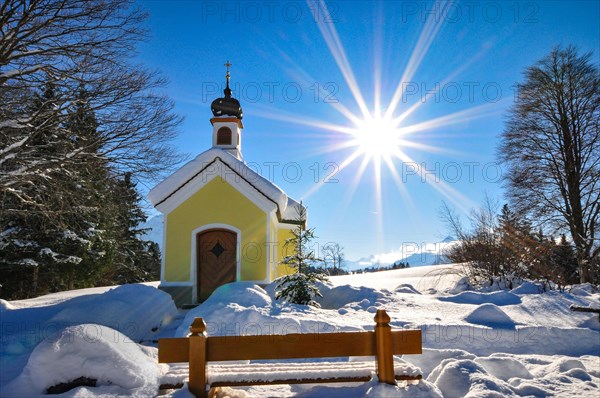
{"type": "Point", "coordinates": [301, 286]}
{"type": "Point", "coordinates": [564, 262]}
{"type": "Point", "coordinates": [63, 245]}
{"type": "Point", "coordinates": [510, 241]}
{"type": "Point", "coordinates": [75, 247]}
{"type": "Point", "coordinates": [24, 266]}
{"type": "Point", "coordinates": [62, 142]}
{"type": "Point", "coordinates": [90, 189]}
{"type": "Point", "coordinates": [521, 253]}
{"type": "Point", "coordinates": [132, 259]}
{"type": "Point", "coordinates": [135, 260]}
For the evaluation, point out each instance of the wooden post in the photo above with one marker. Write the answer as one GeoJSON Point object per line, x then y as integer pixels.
{"type": "Point", "coordinates": [383, 342]}
{"type": "Point", "coordinates": [197, 358]}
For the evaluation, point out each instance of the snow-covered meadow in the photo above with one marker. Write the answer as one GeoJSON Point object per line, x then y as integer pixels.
{"type": "Point", "coordinates": [476, 343]}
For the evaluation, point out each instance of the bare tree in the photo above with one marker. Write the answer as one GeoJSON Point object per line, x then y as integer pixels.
{"type": "Point", "coordinates": [478, 244]}
{"type": "Point", "coordinates": [551, 146]}
{"type": "Point", "coordinates": [333, 255]}
{"type": "Point", "coordinates": [78, 46]}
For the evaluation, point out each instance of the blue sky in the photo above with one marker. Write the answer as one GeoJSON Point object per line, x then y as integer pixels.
{"type": "Point", "coordinates": [308, 74]}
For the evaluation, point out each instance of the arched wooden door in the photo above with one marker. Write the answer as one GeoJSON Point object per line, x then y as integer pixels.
{"type": "Point", "coordinates": [216, 260]}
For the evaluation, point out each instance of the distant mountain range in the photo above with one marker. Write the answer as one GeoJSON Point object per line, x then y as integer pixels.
{"type": "Point", "coordinates": [416, 254]}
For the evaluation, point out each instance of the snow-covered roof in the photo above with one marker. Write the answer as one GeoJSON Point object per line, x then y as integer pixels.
{"type": "Point", "coordinates": [290, 212]}
{"type": "Point", "coordinates": [161, 193]}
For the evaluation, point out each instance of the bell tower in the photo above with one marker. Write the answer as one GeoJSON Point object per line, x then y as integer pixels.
{"type": "Point", "coordinates": [227, 121]}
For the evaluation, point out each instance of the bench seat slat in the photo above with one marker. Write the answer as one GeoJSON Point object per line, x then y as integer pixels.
{"type": "Point", "coordinates": [292, 373]}
{"type": "Point", "coordinates": [357, 379]}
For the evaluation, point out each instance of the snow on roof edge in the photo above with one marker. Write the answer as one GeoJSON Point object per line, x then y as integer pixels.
{"type": "Point", "coordinates": [162, 191]}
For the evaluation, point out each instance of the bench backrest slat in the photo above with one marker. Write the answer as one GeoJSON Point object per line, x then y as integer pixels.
{"type": "Point", "coordinates": [407, 342]}
{"type": "Point", "coordinates": [289, 346]}
{"type": "Point", "coordinates": [173, 350]}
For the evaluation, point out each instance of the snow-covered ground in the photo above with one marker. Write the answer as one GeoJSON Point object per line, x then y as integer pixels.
{"type": "Point", "coordinates": [476, 343]}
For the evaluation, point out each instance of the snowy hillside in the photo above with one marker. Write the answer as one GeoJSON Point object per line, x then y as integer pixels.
{"type": "Point", "coordinates": [476, 343]}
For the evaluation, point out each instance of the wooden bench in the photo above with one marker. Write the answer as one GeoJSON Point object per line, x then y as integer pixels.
{"type": "Point", "coordinates": [576, 308]}
{"type": "Point", "coordinates": [198, 349]}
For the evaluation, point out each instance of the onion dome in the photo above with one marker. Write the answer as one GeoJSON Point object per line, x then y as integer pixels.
{"type": "Point", "coordinates": [227, 106]}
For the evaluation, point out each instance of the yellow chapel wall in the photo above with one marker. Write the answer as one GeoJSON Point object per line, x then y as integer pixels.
{"type": "Point", "coordinates": [273, 249]}
{"type": "Point", "coordinates": [282, 235]}
{"type": "Point", "coordinates": [278, 235]}
{"type": "Point", "coordinates": [216, 203]}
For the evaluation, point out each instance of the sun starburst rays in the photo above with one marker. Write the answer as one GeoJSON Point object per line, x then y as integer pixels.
{"type": "Point", "coordinates": [379, 138]}
{"type": "Point", "coordinates": [428, 34]}
{"type": "Point", "coordinates": [332, 39]}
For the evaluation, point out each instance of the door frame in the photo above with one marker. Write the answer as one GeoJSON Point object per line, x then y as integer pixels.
{"type": "Point", "coordinates": [194, 262]}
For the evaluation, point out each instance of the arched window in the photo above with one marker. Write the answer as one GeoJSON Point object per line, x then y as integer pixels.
{"type": "Point", "coordinates": [224, 136]}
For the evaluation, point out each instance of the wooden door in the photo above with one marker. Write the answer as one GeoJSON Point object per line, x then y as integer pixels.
{"type": "Point", "coordinates": [216, 260]}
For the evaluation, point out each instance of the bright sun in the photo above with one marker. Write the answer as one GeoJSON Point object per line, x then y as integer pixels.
{"type": "Point", "coordinates": [377, 137]}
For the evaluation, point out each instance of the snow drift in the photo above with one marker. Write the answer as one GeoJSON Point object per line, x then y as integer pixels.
{"type": "Point", "coordinates": [134, 310]}
{"type": "Point", "coordinates": [118, 365]}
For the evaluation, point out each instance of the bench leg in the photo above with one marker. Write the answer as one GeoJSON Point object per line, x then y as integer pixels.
{"type": "Point", "coordinates": [213, 392]}
{"type": "Point", "coordinates": [197, 358]}
{"type": "Point", "coordinates": [383, 341]}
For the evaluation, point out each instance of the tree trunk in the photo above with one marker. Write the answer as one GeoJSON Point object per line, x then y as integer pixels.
{"type": "Point", "coordinates": [584, 271]}
{"type": "Point", "coordinates": [34, 282]}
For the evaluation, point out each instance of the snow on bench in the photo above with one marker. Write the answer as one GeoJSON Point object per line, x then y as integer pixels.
{"type": "Point", "coordinates": [199, 349]}
{"type": "Point", "coordinates": [584, 309]}
{"type": "Point", "coordinates": [577, 308]}
{"type": "Point", "coordinates": [288, 373]}
{"type": "Point", "coordinates": [269, 373]}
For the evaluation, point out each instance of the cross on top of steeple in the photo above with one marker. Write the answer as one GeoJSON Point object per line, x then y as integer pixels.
{"type": "Point", "coordinates": [227, 90]}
